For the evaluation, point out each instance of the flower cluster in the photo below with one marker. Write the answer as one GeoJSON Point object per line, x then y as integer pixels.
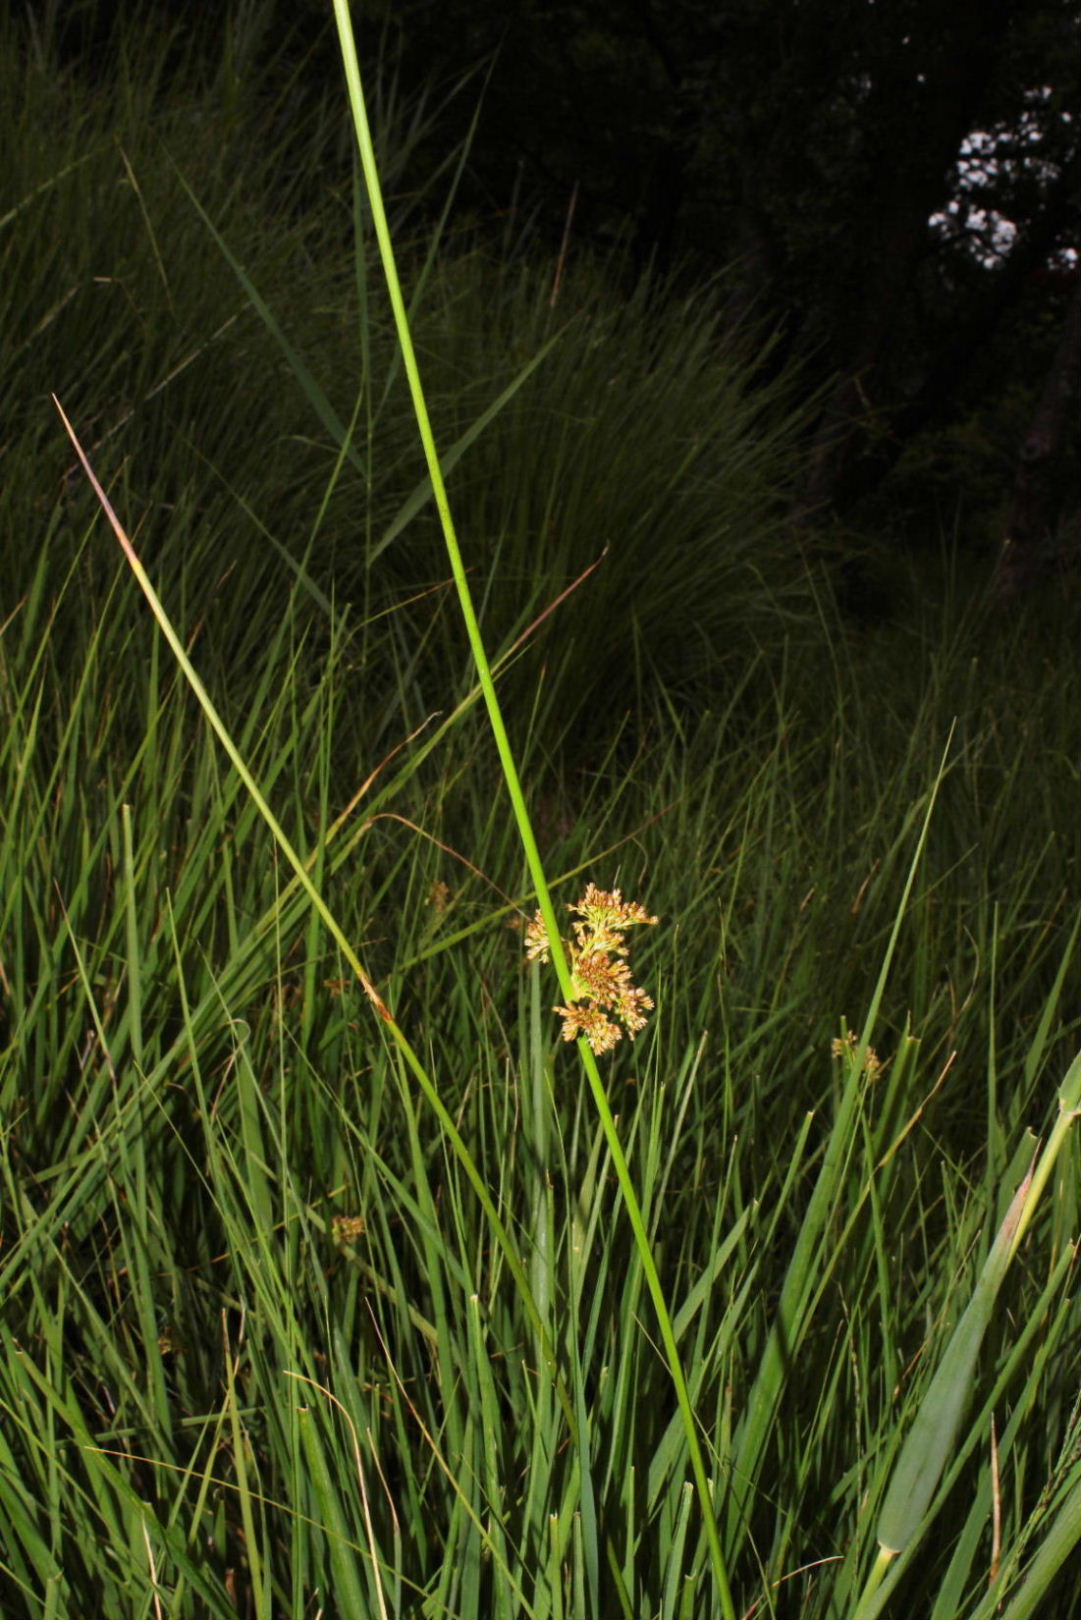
{"type": "Point", "coordinates": [600, 977]}
{"type": "Point", "coordinates": [347, 1228]}
{"type": "Point", "coordinates": [872, 1065]}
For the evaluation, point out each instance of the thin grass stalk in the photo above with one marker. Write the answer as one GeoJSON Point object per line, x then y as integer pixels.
{"type": "Point", "coordinates": [1056, 1547]}
{"type": "Point", "coordinates": [904, 1513]}
{"type": "Point", "coordinates": [795, 1305]}
{"type": "Point", "coordinates": [514, 788]}
{"type": "Point", "coordinates": [303, 876]}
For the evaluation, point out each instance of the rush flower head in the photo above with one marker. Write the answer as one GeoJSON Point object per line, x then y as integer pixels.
{"type": "Point", "coordinates": [600, 977]}
{"type": "Point", "coordinates": [846, 1048]}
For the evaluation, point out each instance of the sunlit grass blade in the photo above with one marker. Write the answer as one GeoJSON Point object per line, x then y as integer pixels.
{"type": "Point", "coordinates": [301, 872]}
{"type": "Point", "coordinates": [781, 1356]}
{"type": "Point", "coordinates": [932, 1437]}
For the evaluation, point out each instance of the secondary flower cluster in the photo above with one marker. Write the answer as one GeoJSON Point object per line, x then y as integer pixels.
{"type": "Point", "coordinates": [872, 1064]}
{"type": "Point", "coordinates": [600, 977]}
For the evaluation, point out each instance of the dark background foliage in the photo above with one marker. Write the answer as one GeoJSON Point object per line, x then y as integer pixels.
{"type": "Point", "coordinates": [821, 154]}
{"type": "Point", "coordinates": [819, 150]}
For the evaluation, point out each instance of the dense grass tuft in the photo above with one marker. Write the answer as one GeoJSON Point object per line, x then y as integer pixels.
{"type": "Point", "coordinates": [264, 1350]}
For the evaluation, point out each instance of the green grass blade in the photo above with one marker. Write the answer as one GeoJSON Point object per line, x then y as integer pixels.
{"type": "Point", "coordinates": [521, 814]}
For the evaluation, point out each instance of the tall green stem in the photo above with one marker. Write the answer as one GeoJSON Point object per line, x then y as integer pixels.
{"type": "Point", "coordinates": [514, 787]}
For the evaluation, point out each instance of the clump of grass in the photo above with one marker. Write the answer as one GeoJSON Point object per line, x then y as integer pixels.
{"type": "Point", "coordinates": [267, 1347]}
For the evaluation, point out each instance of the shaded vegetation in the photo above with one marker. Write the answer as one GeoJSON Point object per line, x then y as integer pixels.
{"type": "Point", "coordinates": [262, 1349]}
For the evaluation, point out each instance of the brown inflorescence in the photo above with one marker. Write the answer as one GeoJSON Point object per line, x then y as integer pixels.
{"type": "Point", "coordinates": [604, 996]}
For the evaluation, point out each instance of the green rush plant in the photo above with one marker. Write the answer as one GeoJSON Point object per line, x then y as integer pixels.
{"type": "Point", "coordinates": [354, 1259]}
{"type": "Point", "coordinates": [567, 985]}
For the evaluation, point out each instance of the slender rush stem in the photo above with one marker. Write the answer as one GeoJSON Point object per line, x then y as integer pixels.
{"type": "Point", "coordinates": [514, 787]}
